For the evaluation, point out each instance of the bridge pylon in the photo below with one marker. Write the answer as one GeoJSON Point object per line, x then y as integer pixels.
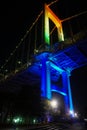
{"type": "Point", "coordinates": [46, 84]}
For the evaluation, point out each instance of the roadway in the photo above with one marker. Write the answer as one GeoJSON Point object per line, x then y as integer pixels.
{"type": "Point", "coordinates": [52, 126]}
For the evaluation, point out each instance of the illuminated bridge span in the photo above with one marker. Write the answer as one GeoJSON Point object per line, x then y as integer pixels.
{"type": "Point", "coordinates": [45, 59]}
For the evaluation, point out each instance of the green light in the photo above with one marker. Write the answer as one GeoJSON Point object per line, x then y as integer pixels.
{"type": "Point", "coordinates": [34, 121]}
{"type": "Point", "coordinates": [46, 31]}
{"type": "Point", "coordinates": [50, 15]}
{"type": "Point", "coordinates": [17, 120]}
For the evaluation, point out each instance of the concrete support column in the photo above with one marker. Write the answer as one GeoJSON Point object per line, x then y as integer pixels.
{"type": "Point", "coordinates": [43, 78]}
{"type": "Point", "coordinates": [71, 108]}
{"type": "Point", "coordinates": [48, 81]}
{"type": "Point", "coordinates": [65, 90]}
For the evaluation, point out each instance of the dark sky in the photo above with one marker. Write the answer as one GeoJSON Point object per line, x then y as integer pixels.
{"type": "Point", "coordinates": [16, 16]}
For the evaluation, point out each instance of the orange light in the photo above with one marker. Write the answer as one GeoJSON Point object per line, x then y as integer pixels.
{"type": "Point", "coordinates": [50, 15]}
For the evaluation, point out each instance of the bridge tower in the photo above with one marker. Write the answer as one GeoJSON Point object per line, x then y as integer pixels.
{"type": "Point", "coordinates": [46, 85]}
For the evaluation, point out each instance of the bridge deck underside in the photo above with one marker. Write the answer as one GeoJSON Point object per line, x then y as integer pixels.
{"type": "Point", "coordinates": [68, 59]}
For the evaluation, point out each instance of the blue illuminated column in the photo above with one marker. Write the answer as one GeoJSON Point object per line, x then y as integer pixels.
{"type": "Point", "coordinates": [48, 81]}
{"type": "Point", "coordinates": [43, 78]}
{"type": "Point", "coordinates": [67, 89]}
{"type": "Point", "coordinates": [70, 95]}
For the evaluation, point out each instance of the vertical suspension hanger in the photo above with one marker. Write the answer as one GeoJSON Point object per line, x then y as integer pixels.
{"type": "Point", "coordinates": [42, 33]}
{"type": "Point", "coordinates": [71, 31]}
{"type": "Point", "coordinates": [22, 51]}
{"type": "Point", "coordinates": [78, 25]}
{"type": "Point", "coordinates": [28, 50]}
{"type": "Point", "coordinates": [35, 47]}
{"type": "Point", "coordinates": [17, 60]}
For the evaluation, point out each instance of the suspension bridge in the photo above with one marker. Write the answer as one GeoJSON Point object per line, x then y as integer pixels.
{"type": "Point", "coordinates": [44, 56]}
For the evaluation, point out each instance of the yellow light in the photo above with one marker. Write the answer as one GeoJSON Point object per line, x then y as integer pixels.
{"type": "Point", "coordinates": [50, 15]}
{"type": "Point", "coordinates": [54, 103]}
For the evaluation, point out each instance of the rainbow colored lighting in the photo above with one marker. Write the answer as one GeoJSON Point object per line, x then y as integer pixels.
{"type": "Point", "coordinates": [46, 87]}
{"type": "Point", "coordinates": [50, 15]}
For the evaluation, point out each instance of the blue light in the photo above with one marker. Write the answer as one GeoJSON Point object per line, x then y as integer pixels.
{"type": "Point", "coordinates": [46, 81]}
{"type": "Point", "coordinates": [70, 95]}
{"type": "Point", "coordinates": [60, 92]}
{"type": "Point", "coordinates": [48, 85]}
{"type": "Point", "coordinates": [43, 78]}
{"type": "Point", "coordinates": [56, 67]}
{"type": "Point", "coordinates": [65, 89]}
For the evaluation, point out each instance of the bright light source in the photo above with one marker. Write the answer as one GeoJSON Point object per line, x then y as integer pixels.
{"type": "Point", "coordinates": [19, 62]}
{"type": "Point", "coordinates": [54, 103]}
{"type": "Point", "coordinates": [17, 120]}
{"type": "Point", "coordinates": [75, 114]}
{"type": "Point", "coordinates": [71, 112]}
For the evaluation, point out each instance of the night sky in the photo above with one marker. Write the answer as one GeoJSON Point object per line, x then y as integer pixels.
{"type": "Point", "coordinates": [17, 16]}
